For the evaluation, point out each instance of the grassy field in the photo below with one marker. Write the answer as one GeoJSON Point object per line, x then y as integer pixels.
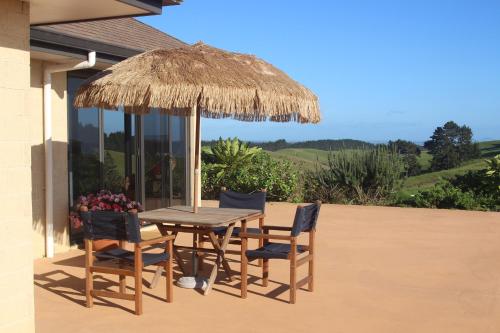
{"type": "Point", "coordinates": [305, 158]}
{"type": "Point", "coordinates": [426, 180]}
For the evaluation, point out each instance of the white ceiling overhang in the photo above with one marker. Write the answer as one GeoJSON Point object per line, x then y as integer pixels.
{"type": "Point", "coordinates": [58, 11]}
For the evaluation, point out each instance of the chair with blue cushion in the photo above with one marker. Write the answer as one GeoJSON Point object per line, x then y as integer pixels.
{"type": "Point", "coordinates": [231, 199]}
{"type": "Point", "coordinates": [305, 220]}
{"type": "Point", "coordinates": [123, 227]}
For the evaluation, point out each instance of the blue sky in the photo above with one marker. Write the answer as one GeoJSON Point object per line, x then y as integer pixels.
{"type": "Point", "coordinates": [381, 69]}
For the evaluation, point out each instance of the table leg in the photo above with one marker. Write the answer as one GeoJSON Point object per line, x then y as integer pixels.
{"type": "Point", "coordinates": [244, 261]}
{"type": "Point", "coordinates": [164, 232]}
{"type": "Point", "coordinates": [222, 250]}
{"type": "Point", "coordinates": [178, 259]}
{"type": "Point", "coordinates": [217, 246]}
{"type": "Point", "coordinates": [194, 267]}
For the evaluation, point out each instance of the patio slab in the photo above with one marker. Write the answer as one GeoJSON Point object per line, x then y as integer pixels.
{"type": "Point", "coordinates": [379, 269]}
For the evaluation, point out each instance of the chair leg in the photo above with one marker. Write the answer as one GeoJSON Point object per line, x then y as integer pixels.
{"type": "Point", "coordinates": [89, 278]}
{"type": "Point", "coordinates": [169, 274]}
{"type": "Point", "coordinates": [265, 272]}
{"type": "Point", "coordinates": [123, 284]}
{"type": "Point", "coordinates": [244, 267]}
{"type": "Point", "coordinates": [293, 284]}
{"type": "Point", "coordinates": [311, 275]}
{"type": "Point", "coordinates": [121, 278]}
{"type": "Point", "coordinates": [138, 280]}
{"type": "Point", "coordinates": [138, 294]}
{"type": "Point", "coordinates": [261, 240]}
{"type": "Point", "coordinates": [311, 262]}
{"type": "Point", "coordinates": [293, 271]}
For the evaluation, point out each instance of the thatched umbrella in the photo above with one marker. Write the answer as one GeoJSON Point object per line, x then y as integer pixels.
{"type": "Point", "coordinates": [201, 80]}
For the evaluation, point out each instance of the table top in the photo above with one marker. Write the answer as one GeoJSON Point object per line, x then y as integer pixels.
{"type": "Point", "coordinates": [206, 216]}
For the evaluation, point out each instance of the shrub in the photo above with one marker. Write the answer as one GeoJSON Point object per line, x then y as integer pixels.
{"type": "Point", "coordinates": [259, 171]}
{"type": "Point", "coordinates": [410, 152]}
{"type": "Point", "coordinates": [356, 176]}
{"type": "Point", "coordinates": [228, 156]}
{"type": "Point", "coordinates": [475, 190]}
{"type": "Point", "coordinates": [444, 195]}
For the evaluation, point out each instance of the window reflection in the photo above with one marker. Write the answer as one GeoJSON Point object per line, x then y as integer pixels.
{"type": "Point", "coordinates": [83, 133]}
{"type": "Point", "coordinates": [115, 176]}
{"type": "Point", "coordinates": [178, 160]}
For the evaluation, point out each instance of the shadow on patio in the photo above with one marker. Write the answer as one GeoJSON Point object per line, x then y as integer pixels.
{"type": "Point", "coordinates": [379, 269]}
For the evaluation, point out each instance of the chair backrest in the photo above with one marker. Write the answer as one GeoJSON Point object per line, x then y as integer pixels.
{"type": "Point", "coordinates": [111, 225]}
{"type": "Point", "coordinates": [231, 199]}
{"type": "Point", "coordinates": [306, 218]}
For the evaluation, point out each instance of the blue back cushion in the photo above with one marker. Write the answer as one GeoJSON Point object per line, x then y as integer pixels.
{"type": "Point", "coordinates": [306, 218]}
{"type": "Point", "coordinates": [111, 225]}
{"type": "Point", "coordinates": [230, 199]}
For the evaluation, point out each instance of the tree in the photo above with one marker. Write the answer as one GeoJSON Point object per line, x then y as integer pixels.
{"type": "Point", "coordinates": [451, 145]}
{"type": "Point", "coordinates": [409, 151]}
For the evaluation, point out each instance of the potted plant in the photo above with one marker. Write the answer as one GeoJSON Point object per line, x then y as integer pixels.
{"type": "Point", "coordinates": [104, 201]}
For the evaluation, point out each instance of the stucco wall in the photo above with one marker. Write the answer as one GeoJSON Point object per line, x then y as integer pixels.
{"type": "Point", "coordinates": [60, 138]}
{"type": "Point", "coordinates": [16, 255]}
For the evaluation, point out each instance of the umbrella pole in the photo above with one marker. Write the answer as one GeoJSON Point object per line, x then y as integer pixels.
{"type": "Point", "coordinates": [197, 175]}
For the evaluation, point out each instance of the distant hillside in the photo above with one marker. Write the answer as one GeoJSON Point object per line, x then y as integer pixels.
{"type": "Point", "coordinates": [316, 144]}
{"type": "Point", "coordinates": [310, 158]}
{"type": "Point", "coordinates": [489, 148]}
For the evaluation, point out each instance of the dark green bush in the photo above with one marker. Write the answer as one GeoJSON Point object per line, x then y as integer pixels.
{"type": "Point", "coordinates": [279, 178]}
{"type": "Point", "coordinates": [443, 195]}
{"type": "Point", "coordinates": [356, 176]}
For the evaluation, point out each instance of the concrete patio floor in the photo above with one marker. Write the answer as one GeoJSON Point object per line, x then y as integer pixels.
{"type": "Point", "coordinates": [379, 269]}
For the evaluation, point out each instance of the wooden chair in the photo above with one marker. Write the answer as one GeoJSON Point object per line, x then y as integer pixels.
{"type": "Point", "coordinates": [123, 227]}
{"type": "Point", "coordinates": [231, 199]}
{"type": "Point", "coordinates": [305, 220]}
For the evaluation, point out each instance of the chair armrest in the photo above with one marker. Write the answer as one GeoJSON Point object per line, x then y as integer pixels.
{"type": "Point", "coordinates": [276, 227]}
{"type": "Point", "coordinates": [265, 236]}
{"type": "Point", "coordinates": [156, 240]}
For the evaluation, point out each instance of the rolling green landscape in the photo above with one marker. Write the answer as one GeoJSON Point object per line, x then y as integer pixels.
{"type": "Point", "coordinates": [309, 159]}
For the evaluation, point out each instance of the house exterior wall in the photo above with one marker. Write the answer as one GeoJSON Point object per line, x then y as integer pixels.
{"type": "Point", "coordinates": [16, 254]}
{"type": "Point", "coordinates": [60, 153]}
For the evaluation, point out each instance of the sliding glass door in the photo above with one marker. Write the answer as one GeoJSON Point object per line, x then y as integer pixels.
{"type": "Point", "coordinates": [144, 157]}
{"type": "Point", "coordinates": [156, 161]}
{"type": "Point", "coordinates": [164, 158]}
{"type": "Point", "coordinates": [119, 153]}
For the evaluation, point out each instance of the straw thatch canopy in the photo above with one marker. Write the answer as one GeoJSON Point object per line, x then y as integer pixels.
{"type": "Point", "coordinates": [218, 83]}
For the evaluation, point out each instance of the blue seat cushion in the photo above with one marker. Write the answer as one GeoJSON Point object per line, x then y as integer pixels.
{"type": "Point", "coordinates": [121, 254]}
{"type": "Point", "coordinates": [221, 231]}
{"type": "Point", "coordinates": [272, 251]}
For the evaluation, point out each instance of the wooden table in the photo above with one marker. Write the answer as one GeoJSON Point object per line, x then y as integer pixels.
{"type": "Point", "coordinates": [172, 220]}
